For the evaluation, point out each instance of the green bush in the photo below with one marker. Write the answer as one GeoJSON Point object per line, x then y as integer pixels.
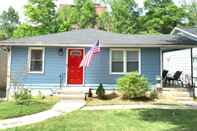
{"type": "Point", "coordinates": [133, 85]}
{"type": "Point", "coordinates": [100, 91]}
{"type": "Point", "coordinates": [23, 97]}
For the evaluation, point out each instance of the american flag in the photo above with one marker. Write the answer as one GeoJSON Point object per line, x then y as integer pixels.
{"type": "Point", "coordinates": [86, 61]}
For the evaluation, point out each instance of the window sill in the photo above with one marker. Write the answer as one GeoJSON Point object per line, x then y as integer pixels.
{"type": "Point", "coordinates": [118, 73]}
{"type": "Point", "coordinates": [36, 72]}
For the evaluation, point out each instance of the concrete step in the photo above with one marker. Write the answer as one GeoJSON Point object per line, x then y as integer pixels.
{"type": "Point", "coordinates": [71, 93]}
{"type": "Point", "coordinates": [71, 90]}
{"type": "Point", "coordinates": [70, 96]}
{"type": "Point", "coordinates": [184, 98]}
{"type": "Point", "coordinates": [174, 93]}
{"type": "Point", "coordinates": [188, 102]}
{"type": "Point", "coordinates": [177, 89]}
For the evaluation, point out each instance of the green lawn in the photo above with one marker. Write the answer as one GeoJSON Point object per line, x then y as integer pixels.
{"type": "Point", "coordinates": [120, 120]}
{"type": "Point", "coordinates": [11, 109]}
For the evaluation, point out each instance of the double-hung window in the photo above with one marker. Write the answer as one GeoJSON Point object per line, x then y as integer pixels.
{"type": "Point", "coordinates": [124, 61]}
{"type": "Point", "coordinates": [36, 60]}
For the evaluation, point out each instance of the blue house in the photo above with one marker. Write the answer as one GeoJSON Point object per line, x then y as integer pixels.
{"type": "Point", "coordinates": [52, 61]}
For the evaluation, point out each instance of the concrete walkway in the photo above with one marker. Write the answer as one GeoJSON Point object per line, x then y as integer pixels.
{"type": "Point", "coordinates": [59, 109]}
{"type": "Point", "coordinates": [138, 106]}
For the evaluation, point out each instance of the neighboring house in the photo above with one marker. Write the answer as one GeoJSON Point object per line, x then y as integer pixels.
{"type": "Point", "coordinates": [37, 62]}
{"type": "Point", "coordinates": [181, 59]}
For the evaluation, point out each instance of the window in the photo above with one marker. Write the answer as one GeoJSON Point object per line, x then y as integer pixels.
{"type": "Point", "coordinates": [36, 60]}
{"type": "Point", "coordinates": [124, 60]}
{"type": "Point", "coordinates": [75, 53]}
{"type": "Point", "coordinates": [132, 61]}
{"type": "Point", "coordinates": [117, 61]}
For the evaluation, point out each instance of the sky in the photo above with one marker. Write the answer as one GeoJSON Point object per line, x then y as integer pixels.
{"type": "Point", "coordinates": [19, 4]}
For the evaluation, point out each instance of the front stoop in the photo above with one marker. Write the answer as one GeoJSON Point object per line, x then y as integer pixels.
{"type": "Point", "coordinates": [180, 95]}
{"type": "Point", "coordinates": [71, 93]}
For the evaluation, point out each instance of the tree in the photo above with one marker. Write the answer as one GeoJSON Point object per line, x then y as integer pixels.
{"type": "Point", "coordinates": [81, 15]}
{"type": "Point", "coordinates": [8, 22]}
{"type": "Point", "coordinates": [24, 30]}
{"type": "Point", "coordinates": [85, 13]}
{"type": "Point", "coordinates": [191, 10]}
{"type": "Point", "coordinates": [2, 36]}
{"type": "Point", "coordinates": [124, 16]}
{"type": "Point", "coordinates": [162, 16]}
{"type": "Point", "coordinates": [104, 21]}
{"type": "Point", "coordinates": [42, 13]}
{"type": "Point", "coordinates": [66, 18]}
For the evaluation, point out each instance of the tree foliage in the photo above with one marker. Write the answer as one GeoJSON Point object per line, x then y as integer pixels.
{"type": "Point", "coordinates": [85, 12]}
{"type": "Point", "coordinates": [191, 10]}
{"type": "Point", "coordinates": [66, 18]}
{"type": "Point", "coordinates": [2, 36]}
{"type": "Point", "coordinates": [104, 21]}
{"type": "Point", "coordinates": [162, 16]}
{"type": "Point", "coordinates": [24, 30]}
{"type": "Point", "coordinates": [42, 13]}
{"type": "Point", "coordinates": [81, 15]}
{"type": "Point", "coordinates": [124, 16]}
{"type": "Point", "coordinates": [158, 16]}
{"type": "Point", "coordinates": [8, 22]}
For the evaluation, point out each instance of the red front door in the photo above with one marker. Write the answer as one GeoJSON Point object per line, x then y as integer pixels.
{"type": "Point", "coordinates": [75, 73]}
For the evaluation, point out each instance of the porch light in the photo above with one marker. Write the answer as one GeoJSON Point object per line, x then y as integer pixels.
{"type": "Point", "coordinates": [60, 52]}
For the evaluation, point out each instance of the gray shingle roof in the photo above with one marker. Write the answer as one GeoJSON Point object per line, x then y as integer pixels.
{"type": "Point", "coordinates": [86, 37]}
{"type": "Point", "coordinates": [191, 30]}
{"type": "Point", "coordinates": [190, 33]}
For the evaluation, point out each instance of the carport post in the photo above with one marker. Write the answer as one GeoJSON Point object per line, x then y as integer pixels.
{"type": "Point", "coordinates": [192, 72]}
{"type": "Point", "coordinates": [192, 66]}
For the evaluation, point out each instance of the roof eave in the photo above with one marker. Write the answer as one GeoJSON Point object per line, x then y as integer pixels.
{"type": "Point", "coordinates": [185, 33]}
{"type": "Point", "coordinates": [106, 45]}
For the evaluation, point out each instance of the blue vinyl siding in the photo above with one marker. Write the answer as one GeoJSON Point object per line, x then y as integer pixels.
{"type": "Point", "coordinates": [150, 63]}
{"type": "Point", "coordinates": [53, 66]}
{"type": "Point", "coordinates": [97, 73]}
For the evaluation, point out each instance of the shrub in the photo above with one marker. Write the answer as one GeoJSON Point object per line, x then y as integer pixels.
{"type": "Point", "coordinates": [132, 85]}
{"type": "Point", "coordinates": [100, 91]}
{"type": "Point", "coordinates": [23, 96]}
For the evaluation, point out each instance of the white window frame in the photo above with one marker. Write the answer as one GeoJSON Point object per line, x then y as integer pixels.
{"type": "Point", "coordinates": [29, 59]}
{"type": "Point", "coordinates": [124, 59]}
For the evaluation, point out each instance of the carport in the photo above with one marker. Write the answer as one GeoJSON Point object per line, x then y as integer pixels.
{"type": "Point", "coordinates": [188, 36]}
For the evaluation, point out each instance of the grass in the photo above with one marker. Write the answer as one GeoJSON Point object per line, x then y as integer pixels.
{"type": "Point", "coordinates": [119, 120]}
{"type": "Point", "coordinates": [10, 109]}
